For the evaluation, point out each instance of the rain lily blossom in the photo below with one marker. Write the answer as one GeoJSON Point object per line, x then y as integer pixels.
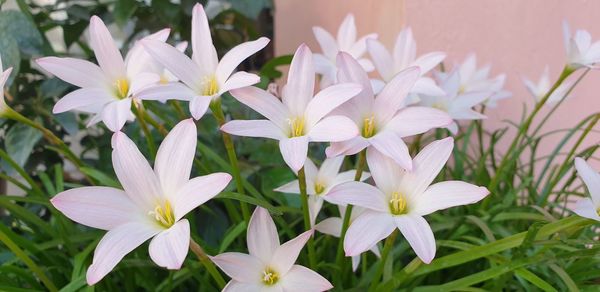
{"type": "Point", "coordinates": [404, 56]}
{"type": "Point", "coordinates": [269, 266]}
{"type": "Point", "coordinates": [457, 104]}
{"type": "Point", "coordinates": [383, 120]}
{"type": "Point", "coordinates": [581, 52]}
{"type": "Point", "coordinates": [333, 226]}
{"type": "Point", "coordinates": [151, 204]}
{"type": "Point", "coordinates": [3, 77]}
{"type": "Point", "coordinates": [543, 86]}
{"type": "Point", "coordinates": [300, 117]}
{"type": "Point", "coordinates": [204, 77]}
{"type": "Point", "coordinates": [320, 181]}
{"type": "Point", "coordinates": [473, 79]}
{"type": "Point", "coordinates": [106, 90]}
{"type": "Point", "coordinates": [588, 207]}
{"type": "Point", "coordinates": [325, 63]}
{"type": "Point", "coordinates": [401, 199]}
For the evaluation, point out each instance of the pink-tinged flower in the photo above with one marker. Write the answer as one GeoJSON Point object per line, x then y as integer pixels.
{"type": "Point", "coordinates": [542, 87]}
{"type": "Point", "coordinates": [401, 199]}
{"type": "Point", "coordinates": [333, 226]}
{"type": "Point", "coordinates": [270, 265]}
{"type": "Point", "coordinates": [106, 90]}
{"type": "Point", "coordinates": [151, 205]}
{"type": "Point", "coordinates": [141, 61]}
{"type": "Point", "coordinates": [459, 105]}
{"type": "Point", "coordinates": [383, 120]}
{"type": "Point", "coordinates": [300, 117]}
{"type": "Point", "coordinates": [325, 63]}
{"type": "Point", "coordinates": [588, 207]}
{"type": "Point", "coordinates": [473, 79]}
{"type": "Point", "coordinates": [581, 52]}
{"type": "Point", "coordinates": [320, 181]}
{"type": "Point", "coordinates": [3, 77]}
{"type": "Point", "coordinates": [204, 77]}
{"type": "Point", "coordinates": [404, 56]}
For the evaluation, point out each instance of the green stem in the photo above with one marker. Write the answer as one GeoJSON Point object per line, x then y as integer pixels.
{"type": "Point", "coordinates": [217, 111]}
{"type": "Point", "coordinates": [306, 214]}
{"type": "Point", "coordinates": [208, 264]}
{"type": "Point", "coordinates": [387, 248]}
{"type": "Point", "coordinates": [148, 135]}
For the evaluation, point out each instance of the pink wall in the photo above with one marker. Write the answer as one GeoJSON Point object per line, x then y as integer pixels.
{"type": "Point", "coordinates": [517, 37]}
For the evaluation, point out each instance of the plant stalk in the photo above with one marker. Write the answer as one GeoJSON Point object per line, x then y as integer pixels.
{"type": "Point", "coordinates": [306, 214]}
{"type": "Point", "coordinates": [208, 264]}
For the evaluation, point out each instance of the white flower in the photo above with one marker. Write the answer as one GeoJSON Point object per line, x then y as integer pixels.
{"type": "Point", "coordinates": [473, 79]}
{"type": "Point", "coordinates": [581, 52]}
{"type": "Point", "coordinates": [3, 77]}
{"type": "Point", "coordinates": [543, 86]}
{"type": "Point", "coordinates": [588, 207]}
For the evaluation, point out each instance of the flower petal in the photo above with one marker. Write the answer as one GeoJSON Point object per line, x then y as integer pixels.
{"type": "Point", "coordinates": [300, 278]}
{"type": "Point", "coordinates": [254, 128]}
{"type": "Point", "coordinates": [106, 52]}
{"type": "Point", "coordinates": [114, 245]}
{"type": "Point", "coordinates": [382, 59]}
{"type": "Point", "coordinates": [294, 151]}
{"type": "Point", "coordinates": [331, 226]}
{"type": "Point", "coordinates": [197, 191]}
{"type": "Point", "coordinates": [346, 36]}
{"type": "Point", "coordinates": [591, 179]}
{"type": "Point", "coordinates": [326, 41]}
{"type": "Point", "coordinates": [392, 96]}
{"type": "Point", "coordinates": [262, 235]}
{"type": "Point", "coordinates": [418, 233]}
{"type": "Point", "coordinates": [177, 62]}
{"type": "Point", "coordinates": [429, 61]}
{"type": "Point", "coordinates": [175, 156]}
{"type": "Point", "coordinates": [315, 203]}
{"type": "Point", "coordinates": [162, 92]}
{"type": "Point", "coordinates": [204, 52]}
{"type": "Point", "coordinates": [444, 195]}
{"type": "Point", "coordinates": [415, 120]}
{"type": "Point", "coordinates": [97, 207]}
{"type": "Point", "coordinates": [237, 55]}
{"type": "Point", "coordinates": [586, 208]}
{"type": "Point", "coordinates": [169, 248]}
{"type": "Point", "coordinates": [264, 103]}
{"type": "Point", "coordinates": [298, 91]}
{"type": "Point", "coordinates": [330, 168]}
{"type": "Point", "coordinates": [426, 166]}
{"type": "Point", "coordinates": [285, 255]}
{"type": "Point", "coordinates": [386, 173]}
{"type": "Point", "coordinates": [83, 97]}
{"type": "Point", "coordinates": [392, 146]}
{"type": "Point", "coordinates": [78, 72]}
{"type": "Point", "coordinates": [427, 86]}
{"type": "Point", "coordinates": [366, 230]}
{"type": "Point", "coordinates": [292, 187]}
{"type": "Point", "coordinates": [235, 286]}
{"type": "Point", "coordinates": [348, 147]}
{"type": "Point", "coordinates": [328, 99]}
{"type": "Point", "coordinates": [135, 174]}
{"type": "Point", "coordinates": [359, 48]}
{"type": "Point", "coordinates": [239, 80]}
{"type": "Point", "coordinates": [199, 106]}
{"type": "Point", "coordinates": [359, 194]}
{"type": "Point", "coordinates": [333, 129]}
{"type": "Point", "coordinates": [349, 70]}
{"type": "Point", "coordinates": [116, 113]}
{"type": "Point", "coordinates": [240, 267]}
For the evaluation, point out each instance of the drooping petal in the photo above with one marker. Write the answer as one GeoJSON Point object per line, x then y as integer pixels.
{"type": "Point", "coordinates": [349, 147]}
{"type": "Point", "coordinates": [240, 267]}
{"type": "Point", "coordinates": [237, 55]}
{"type": "Point", "coordinates": [239, 80]}
{"type": "Point", "coordinates": [82, 97]}
{"type": "Point", "coordinates": [97, 207]}
{"type": "Point", "coordinates": [392, 146]}
{"type": "Point", "coordinates": [301, 81]}
{"type": "Point", "coordinates": [262, 235]}
{"type": "Point", "coordinates": [169, 248]}
{"type": "Point", "coordinates": [366, 230]}
{"type": "Point", "coordinates": [331, 226]}
{"type": "Point", "coordinates": [326, 41]}
{"type": "Point", "coordinates": [204, 52]}
{"type": "Point", "coordinates": [447, 194]}
{"type": "Point", "coordinates": [171, 90]}
{"type": "Point", "coordinates": [415, 120]}
{"type": "Point", "coordinates": [591, 179]}
{"type": "Point", "coordinates": [199, 106]}
{"type": "Point", "coordinates": [333, 129]}
{"type": "Point", "coordinates": [300, 278]}
{"type": "Point", "coordinates": [586, 208]}
{"type": "Point", "coordinates": [292, 187]}
{"type": "Point", "coordinates": [328, 99]}
{"type": "Point", "coordinates": [116, 113]}
{"type": "Point", "coordinates": [294, 151]}
{"type": "Point", "coordinates": [426, 166]}
{"type": "Point", "coordinates": [177, 62]}
{"type": "Point", "coordinates": [285, 255]}
{"type": "Point", "coordinates": [78, 72]}
{"type": "Point", "coordinates": [114, 245]}
{"type": "Point", "coordinates": [418, 233]}
{"type": "Point", "coordinates": [175, 156]}
{"type": "Point", "coordinates": [106, 52]}
{"type": "Point", "coordinates": [264, 103]}
{"type": "Point", "coordinates": [386, 173]}
{"type": "Point", "coordinates": [392, 97]}
{"type": "Point", "coordinates": [346, 36]}
{"type": "Point", "coordinates": [382, 59]}
{"type": "Point", "coordinates": [135, 174]}
{"type": "Point", "coordinates": [359, 194]}
{"type": "Point", "coordinates": [197, 191]}
{"type": "Point", "coordinates": [254, 128]}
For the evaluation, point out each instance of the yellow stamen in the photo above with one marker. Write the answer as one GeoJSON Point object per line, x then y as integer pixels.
{"type": "Point", "coordinates": [319, 188]}
{"type": "Point", "coordinates": [163, 79]}
{"type": "Point", "coordinates": [122, 88]}
{"type": "Point", "coordinates": [368, 127]}
{"type": "Point", "coordinates": [270, 277]}
{"type": "Point", "coordinates": [440, 106]}
{"type": "Point", "coordinates": [163, 214]}
{"type": "Point", "coordinates": [398, 204]}
{"type": "Point", "coordinates": [210, 86]}
{"type": "Point", "coordinates": [297, 126]}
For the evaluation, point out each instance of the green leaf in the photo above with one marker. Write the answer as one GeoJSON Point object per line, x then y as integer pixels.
{"type": "Point", "coordinates": [101, 177]}
{"type": "Point", "coordinates": [251, 8]}
{"type": "Point", "coordinates": [17, 25]}
{"type": "Point", "coordinates": [250, 200]}
{"type": "Point", "coordinates": [19, 142]}
{"type": "Point", "coordinates": [270, 68]}
{"type": "Point", "coordinates": [232, 235]}
{"type": "Point", "coordinates": [124, 9]}
{"type": "Point", "coordinates": [9, 51]}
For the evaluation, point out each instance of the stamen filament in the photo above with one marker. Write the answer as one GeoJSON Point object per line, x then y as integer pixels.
{"type": "Point", "coordinates": [270, 277]}
{"type": "Point", "coordinates": [297, 126]}
{"type": "Point", "coordinates": [368, 127]}
{"type": "Point", "coordinates": [398, 204]}
{"type": "Point", "coordinates": [163, 214]}
{"type": "Point", "coordinates": [122, 88]}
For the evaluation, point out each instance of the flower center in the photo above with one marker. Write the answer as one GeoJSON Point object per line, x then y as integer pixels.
{"type": "Point", "coordinates": [122, 88]}
{"type": "Point", "coordinates": [297, 126]}
{"type": "Point", "coordinates": [270, 277]}
{"type": "Point", "coordinates": [398, 204]}
{"type": "Point", "coordinates": [368, 127]}
{"type": "Point", "coordinates": [210, 86]}
{"type": "Point", "coordinates": [439, 105]}
{"type": "Point", "coordinates": [163, 79]}
{"type": "Point", "coordinates": [319, 188]}
{"type": "Point", "coordinates": [163, 214]}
